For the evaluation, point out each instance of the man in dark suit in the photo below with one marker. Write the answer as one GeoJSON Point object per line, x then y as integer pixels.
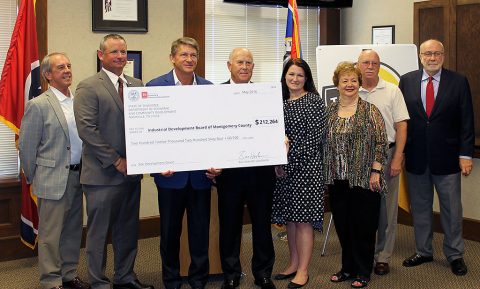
{"type": "Point", "coordinates": [113, 197]}
{"type": "Point", "coordinates": [253, 186]}
{"type": "Point", "coordinates": [182, 191]}
{"type": "Point", "coordinates": [439, 147]}
{"type": "Point", "coordinates": [50, 151]}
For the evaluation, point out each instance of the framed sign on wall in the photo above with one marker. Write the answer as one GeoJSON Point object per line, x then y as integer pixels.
{"type": "Point", "coordinates": [120, 15]}
{"type": "Point", "coordinates": [383, 34]}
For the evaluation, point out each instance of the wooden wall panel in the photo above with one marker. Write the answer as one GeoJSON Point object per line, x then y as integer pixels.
{"type": "Point", "coordinates": [467, 61]}
{"type": "Point", "coordinates": [329, 26]}
{"type": "Point", "coordinates": [10, 209]}
{"type": "Point", "coordinates": [194, 26]}
{"type": "Point", "coordinates": [431, 20]}
{"type": "Point", "coordinates": [41, 14]}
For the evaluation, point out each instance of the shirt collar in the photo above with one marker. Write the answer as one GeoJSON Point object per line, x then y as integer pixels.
{"type": "Point", "coordinates": [381, 84]}
{"type": "Point", "coordinates": [60, 96]}
{"type": "Point", "coordinates": [436, 76]}
{"type": "Point", "coordinates": [114, 78]}
{"type": "Point", "coordinates": [177, 82]}
{"type": "Point", "coordinates": [233, 82]}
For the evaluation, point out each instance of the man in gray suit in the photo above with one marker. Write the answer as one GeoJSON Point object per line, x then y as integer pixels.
{"type": "Point", "coordinates": [50, 151]}
{"type": "Point", "coordinates": [113, 197]}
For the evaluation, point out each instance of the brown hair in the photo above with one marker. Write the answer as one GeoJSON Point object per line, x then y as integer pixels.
{"type": "Point", "coordinates": [346, 67]}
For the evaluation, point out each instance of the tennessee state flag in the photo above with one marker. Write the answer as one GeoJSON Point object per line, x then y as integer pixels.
{"type": "Point", "coordinates": [20, 82]}
{"type": "Point", "coordinates": [292, 34]}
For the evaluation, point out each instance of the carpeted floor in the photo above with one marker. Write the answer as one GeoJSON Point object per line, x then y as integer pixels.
{"type": "Point", "coordinates": [23, 274]}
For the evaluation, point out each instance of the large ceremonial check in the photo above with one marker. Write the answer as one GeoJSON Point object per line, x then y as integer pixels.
{"type": "Point", "coordinates": [196, 127]}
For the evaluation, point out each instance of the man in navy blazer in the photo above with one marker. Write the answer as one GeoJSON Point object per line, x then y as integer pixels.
{"type": "Point", "coordinates": [239, 186]}
{"type": "Point", "coordinates": [439, 147]}
{"type": "Point", "coordinates": [182, 191]}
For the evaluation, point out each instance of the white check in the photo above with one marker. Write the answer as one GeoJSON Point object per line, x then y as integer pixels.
{"type": "Point", "coordinates": [196, 127]}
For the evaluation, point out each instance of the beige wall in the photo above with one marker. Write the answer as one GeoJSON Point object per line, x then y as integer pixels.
{"type": "Point", "coordinates": [356, 28]}
{"type": "Point", "coordinates": [357, 22]}
{"type": "Point", "coordinates": [70, 31]}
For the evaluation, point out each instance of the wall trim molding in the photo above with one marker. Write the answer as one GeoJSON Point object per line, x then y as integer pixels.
{"type": "Point", "coordinates": [471, 227]}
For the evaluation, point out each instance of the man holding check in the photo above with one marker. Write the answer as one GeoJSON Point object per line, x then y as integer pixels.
{"type": "Point", "coordinates": [182, 191]}
{"type": "Point", "coordinates": [253, 186]}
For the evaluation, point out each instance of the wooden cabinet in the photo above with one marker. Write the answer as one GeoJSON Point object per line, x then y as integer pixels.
{"type": "Point", "coordinates": [10, 201]}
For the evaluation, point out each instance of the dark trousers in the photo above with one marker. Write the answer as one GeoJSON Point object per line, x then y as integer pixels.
{"type": "Point", "coordinates": [355, 214]}
{"type": "Point", "coordinates": [231, 200]}
{"type": "Point", "coordinates": [172, 204]}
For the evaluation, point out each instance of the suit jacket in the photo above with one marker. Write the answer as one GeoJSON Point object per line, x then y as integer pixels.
{"type": "Point", "coordinates": [438, 141]}
{"type": "Point", "coordinates": [44, 146]}
{"type": "Point", "coordinates": [179, 180]}
{"type": "Point", "coordinates": [263, 176]}
{"type": "Point", "coordinates": [100, 124]}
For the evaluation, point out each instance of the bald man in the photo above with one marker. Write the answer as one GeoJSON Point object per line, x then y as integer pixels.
{"type": "Point", "coordinates": [388, 98]}
{"type": "Point", "coordinates": [253, 186]}
{"type": "Point", "coordinates": [439, 150]}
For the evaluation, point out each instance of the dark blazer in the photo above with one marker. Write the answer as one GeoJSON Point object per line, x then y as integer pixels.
{"type": "Point", "coordinates": [101, 126]}
{"type": "Point", "coordinates": [248, 176]}
{"type": "Point", "coordinates": [179, 180]}
{"type": "Point", "coordinates": [438, 140]}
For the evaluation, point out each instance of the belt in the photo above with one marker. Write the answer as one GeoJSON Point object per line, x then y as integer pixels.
{"type": "Point", "coordinates": [75, 167]}
{"type": "Point", "coordinates": [391, 145]}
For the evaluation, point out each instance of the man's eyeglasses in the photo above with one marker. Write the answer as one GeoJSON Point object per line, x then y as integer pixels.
{"type": "Point", "coordinates": [368, 63]}
{"type": "Point", "coordinates": [432, 53]}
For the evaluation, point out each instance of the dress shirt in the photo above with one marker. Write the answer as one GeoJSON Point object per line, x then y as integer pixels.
{"type": "Point", "coordinates": [66, 103]}
{"type": "Point", "coordinates": [177, 82]}
{"type": "Point", "coordinates": [233, 82]}
{"type": "Point", "coordinates": [114, 78]}
{"type": "Point", "coordinates": [435, 81]}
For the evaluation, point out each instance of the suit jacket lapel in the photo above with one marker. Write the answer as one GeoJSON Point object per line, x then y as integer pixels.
{"type": "Point", "coordinates": [111, 88]}
{"type": "Point", "coordinates": [53, 100]}
{"type": "Point", "coordinates": [169, 79]}
{"type": "Point", "coordinates": [442, 87]}
{"type": "Point", "coordinates": [418, 91]}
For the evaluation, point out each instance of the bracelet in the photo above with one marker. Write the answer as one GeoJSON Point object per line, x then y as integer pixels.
{"type": "Point", "coordinates": [376, 171]}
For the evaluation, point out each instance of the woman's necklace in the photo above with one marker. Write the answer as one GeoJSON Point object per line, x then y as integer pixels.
{"type": "Point", "coordinates": [348, 105]}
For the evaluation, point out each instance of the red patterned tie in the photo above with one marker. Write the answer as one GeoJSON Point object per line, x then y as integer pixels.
{"type": "Point", "coordinates": [430, 97]}
{"type": "Point", "coordinates": [120, 88]}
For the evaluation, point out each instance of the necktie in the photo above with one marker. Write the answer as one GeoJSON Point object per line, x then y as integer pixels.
{"type": "Point", "coordinates": [430, 97]}
{"type": "Point", "coordinates": [120, 88]}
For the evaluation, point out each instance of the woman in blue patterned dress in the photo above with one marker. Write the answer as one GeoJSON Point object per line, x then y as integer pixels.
{"type": "Point", "coordinates": [299, 192]}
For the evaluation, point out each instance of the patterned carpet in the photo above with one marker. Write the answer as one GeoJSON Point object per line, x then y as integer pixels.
{"type": "Point", "coordinates": [23, 274]}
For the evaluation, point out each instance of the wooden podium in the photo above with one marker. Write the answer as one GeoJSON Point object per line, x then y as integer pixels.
{"type": "Point", "coordinates": [213, 250]}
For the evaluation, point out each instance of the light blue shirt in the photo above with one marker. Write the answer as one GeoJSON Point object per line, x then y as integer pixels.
{"type": "Point", "coordinates": [436, 82]}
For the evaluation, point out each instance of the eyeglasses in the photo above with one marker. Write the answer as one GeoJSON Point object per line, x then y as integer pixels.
{"type": "Point", "coordinates": [432, 53]}
{"type": "Point", "coordinates": [368, 63]}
